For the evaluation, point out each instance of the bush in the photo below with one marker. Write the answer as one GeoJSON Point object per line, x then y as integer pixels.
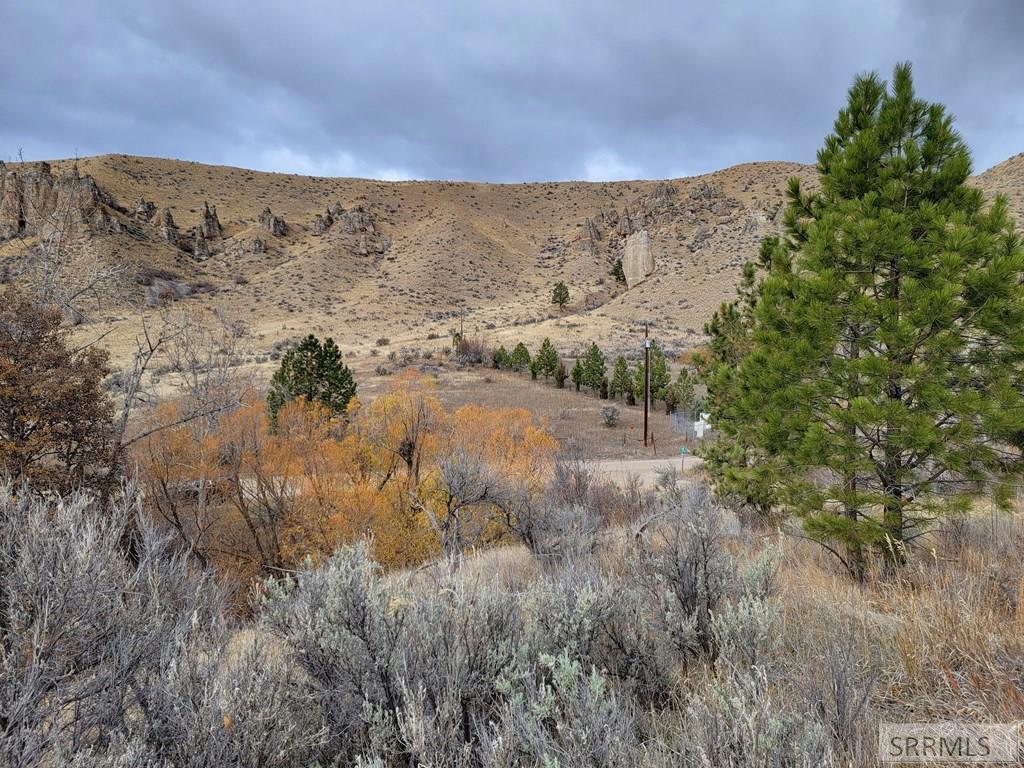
{"type": "Point", "coordinates": [472, 352]}
{"type": "Point", "coordinates": [57, 421]}
{"type": "Point", "coordinates": [657, 643]}
{"type": "Point", "coordinates": [610, 415]}
{"type": "Point", "coordinates": [561, 375]}
{"type": "Point", "coordinates": [93, 637]}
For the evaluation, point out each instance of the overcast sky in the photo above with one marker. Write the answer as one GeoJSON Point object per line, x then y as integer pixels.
{"type": "Point", "coordinates": [491, 91]}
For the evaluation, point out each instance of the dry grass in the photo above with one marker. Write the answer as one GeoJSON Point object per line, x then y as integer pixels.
{"type": "Point", "coordinates": [574, 418]}
{"type": "Point", "coordinates": [483, 256]}
{"type": "Point", "coordinates": [945, 634]}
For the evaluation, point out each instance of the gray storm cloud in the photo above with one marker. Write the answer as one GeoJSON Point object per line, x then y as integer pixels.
{"type": "Point", "coordinates": [578, 89]}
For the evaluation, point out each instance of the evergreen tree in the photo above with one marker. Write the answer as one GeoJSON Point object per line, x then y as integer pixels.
{"type": "Point", "coordinates": [560, 294]}
{"type": "Point", "coordinates": [871, 381]}
{"type": "Point", "coordinates": [617, 272]}
{"type": "Point", "coordinates": [315, 371]}
{"type": "Point", "coordinates": [680, 393]}
{"type": "Point", "coordinates": [594, 367]}
{"type": "Point", "coordinates": [638, 381]}
{"type": "Point", "coordinates": [577, 374]}
{"type": "Point", "coordinates": [547, 359]}
{"type": "Point", "coordinates": [684, 389]}
{"type": "Point", "coordinates": [729, 458]}
{"type": "Point", "coordinates": [622, 382]}
{"type": "Point", "coordinates": [500, 357]}
{"type": "Point", "coordinates": [534, 369]}
{"type": "Point", "coordinates": [671, 400]}
{"type": "Point", "coordinates": [519, 360]}
{"type": "Point", "coordinates": [660, 377]}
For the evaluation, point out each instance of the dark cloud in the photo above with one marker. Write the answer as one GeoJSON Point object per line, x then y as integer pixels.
{"type": "Point", "coordinates": [488, 90]}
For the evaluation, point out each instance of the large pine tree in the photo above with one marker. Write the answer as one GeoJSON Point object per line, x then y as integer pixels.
{"type": "Point", "coordinates": [871, 380]}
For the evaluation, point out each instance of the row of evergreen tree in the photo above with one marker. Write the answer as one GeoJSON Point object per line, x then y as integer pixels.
{"type": "Point", "coordinates": [591, 372]}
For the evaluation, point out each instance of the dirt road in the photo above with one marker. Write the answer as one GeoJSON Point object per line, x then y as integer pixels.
{"type": "Point", "coordinates": [618, 470]}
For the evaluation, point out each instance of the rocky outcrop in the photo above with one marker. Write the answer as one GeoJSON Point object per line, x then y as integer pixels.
{"type": "Point", "coordinates": [102, 221]}
{"type": "Point", "coordinates": [701, 236]}
{"type": "Point", "coordinates": [357, 220]}
{"type": "Point", "coordinates": [355, 227]}
{"type": "Point", "coordinates": [166, 229]}
{"type": "Point", "coordinates": [30, 196]}
{"type": "Point", "coordinates": [322, 223]}
{"type": "Point", "coordinates": [275, 225]}
{"type": "Point", "coordinates": [12, 212]}
{"type": "Point", "coordinates": [637, 258]}
{"type": "Point", "coordinates": [210, 227]}
{"type": "Point", "coordinates": [200, 246]}
{"type": "Point", "coordinates": [144, 210]}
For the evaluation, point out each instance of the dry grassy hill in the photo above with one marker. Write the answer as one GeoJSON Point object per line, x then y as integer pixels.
{"type": "Point", "coordinates": [361, 260]}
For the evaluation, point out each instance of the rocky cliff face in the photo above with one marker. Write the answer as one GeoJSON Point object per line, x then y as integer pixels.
{"type": "Point", "coordinates": [637, 259]}
{"type": "Point", "coordinates": [33, 199]}
{"type": "Point", "coordinates": [607, 232]}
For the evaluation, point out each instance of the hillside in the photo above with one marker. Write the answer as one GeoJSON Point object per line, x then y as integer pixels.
{"type": "Point", "coordinates": [361, 260]}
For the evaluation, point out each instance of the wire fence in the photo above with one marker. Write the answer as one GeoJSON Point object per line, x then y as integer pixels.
{"type": "Point", "coordinates": [685, 423]}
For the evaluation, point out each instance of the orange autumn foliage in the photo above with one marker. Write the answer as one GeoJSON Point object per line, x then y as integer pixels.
{"type": "Point", "coordinates": [253, 500]}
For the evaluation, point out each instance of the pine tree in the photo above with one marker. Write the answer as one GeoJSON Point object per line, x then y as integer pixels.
{"type": "Point", "coordinates": [547, 359]}
{"type": "Point", "coordinates": [639, 381]}
{"type": "Point", "coordinates": [660, 377]}
{"type": "Point", "coordinates": [519, 360]}
{"type": "Point", "coordinates": [577, 374]}
{"type": "Point", "coordinates": [671, 400]}
{"type": "Point", "coordinates": [622, 382]}
{"type": "Point", "coordinates": [617, 272]}
{"type": "Point", "coordinates": [680, 393]}
{"type": "Point", "coordinates": [594, 367]}
{"type": "Point", "coordinates": [728, 459]}
{"type": "Point", "coordinates": [876, 379]}
{"type": "Point", "coordinates": [534, 369]}
{"type": "Point", "coordinates": [684, 389]}
{"type": "Point", "coordinates": [314, 371]}
{"type": "Point", "coordinates": [560, 294]}
{"type": "Point", "coordinates": [500, 357]}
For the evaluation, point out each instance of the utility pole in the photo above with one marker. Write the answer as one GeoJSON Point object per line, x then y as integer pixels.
{"type": "Point", "coordinates": [647, 378]}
